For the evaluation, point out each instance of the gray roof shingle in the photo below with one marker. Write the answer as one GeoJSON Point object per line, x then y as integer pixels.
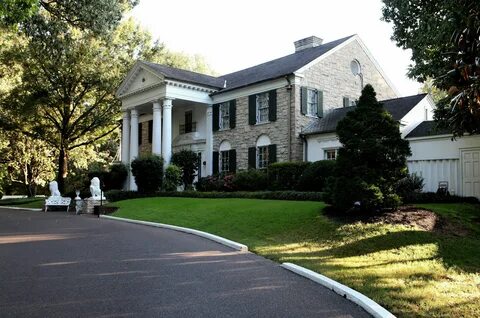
{"type": "Point", "coordinates": [270, 70]}
{"type": "Point", "coordinates": [427, 128]}
{"type": "Point", "coordinates": [398, 107]}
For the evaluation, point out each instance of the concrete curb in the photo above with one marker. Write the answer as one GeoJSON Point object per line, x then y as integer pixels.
{"type": "Point", "coordinates": [218, 239]}
{"type": "Point", "coordinates": [363, 301]}
{"type": "Point", "coordinates": [17, 208]}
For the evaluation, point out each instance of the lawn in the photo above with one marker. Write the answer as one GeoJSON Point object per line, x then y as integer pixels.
{"type": "Point", "coordinates": [412, 272]}
{"type": "Point", "coordinates": [24, 202]}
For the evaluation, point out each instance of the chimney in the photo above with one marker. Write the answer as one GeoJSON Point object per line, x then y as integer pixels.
{"type": "Point", "coordinates": [311, 41]}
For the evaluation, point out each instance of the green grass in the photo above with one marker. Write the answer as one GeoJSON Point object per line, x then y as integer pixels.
{"type": "Point", "coordinates": [23, 202]}
{"type": "Point", "coordinates": [411, 272]}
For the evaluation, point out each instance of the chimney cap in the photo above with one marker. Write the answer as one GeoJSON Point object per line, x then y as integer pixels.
{"type": "Point", "coordinates": [306, 43]}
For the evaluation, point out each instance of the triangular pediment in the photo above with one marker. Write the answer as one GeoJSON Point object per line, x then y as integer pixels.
{"type": "Point", "coordinates": [139, 79]}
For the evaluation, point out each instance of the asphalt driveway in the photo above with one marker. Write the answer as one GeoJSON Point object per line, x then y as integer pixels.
{"type": "Point", "coordinates": [62, 265]}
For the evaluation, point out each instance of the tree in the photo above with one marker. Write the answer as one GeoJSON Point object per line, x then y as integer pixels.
{"type": "Point", "coordinates": [188, 161]}
{"type": "Point", "coordinates": [99, 16]}
{"type": "Point", "coordinates": [445, 44]}
{"type": "Point", "coordinates": [372, 159]}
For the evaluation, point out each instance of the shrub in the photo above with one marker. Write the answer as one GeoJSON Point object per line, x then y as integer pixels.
{"type": "Point", "coordinates": [117, 195]}
{"type": "Point", "coordinates": [188, 161]}
{"type": "Point", "coordinates": [116, 176]}
{"type": "Point", "coordinates": [315, 176]}
{"type": "Point", "coordinates": [219, 182]}
{"type": "Point", "coordinates": [148, 173]}
{"type": "Point", "coordinates": [285, 175]}
{"type": "Point", "coordinates": [410, 184]}
{"type": "Point", "coordinates": [250, 180]}
{"type": "Point", "coordinates": [433, 197]}
{"type": "Point", "coordinates": [173, 178]}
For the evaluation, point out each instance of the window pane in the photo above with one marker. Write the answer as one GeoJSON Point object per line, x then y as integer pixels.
{"type": "Point", "coordinates": [262, 107]}
{"type": "Point", "coordinates": [224, 161]}
{"type": "Point", "coordinates": [262, 157]}
{"type": "Point", "coordinates": [312, 102]}
{"type": "Point", "coordinates": [224, 116]}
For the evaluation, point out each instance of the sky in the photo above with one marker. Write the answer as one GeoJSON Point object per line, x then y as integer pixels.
{"type": "Point", "coordinates": [233, 35]}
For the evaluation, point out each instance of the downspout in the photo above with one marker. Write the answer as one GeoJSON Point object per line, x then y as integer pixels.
{"type": "Point", "coordinates": [289, 119]}
{"type": "Point", "coordinates": [305, 147]}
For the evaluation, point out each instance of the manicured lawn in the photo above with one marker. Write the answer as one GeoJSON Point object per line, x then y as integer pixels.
{"type": "Point", "coordinates": [24, 202]}
{"type": "Point", "coordinates": [413, 273]}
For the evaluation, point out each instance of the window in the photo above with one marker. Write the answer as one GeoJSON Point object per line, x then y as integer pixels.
{"type": "Point", "coordinates": [224, 161]}
{"type": "Point", "coordinates": [331, 154]}
{"type": "Point", "coordinates": [312, 102]}
{"type": "Point", "coordinates": [188, 122]}
{"type": "Point", "coordinates": [262, 108]}
{"type": "Point", "coordinates": [224, 116]}
{"type": "Point", "coordinates": [262, 157]}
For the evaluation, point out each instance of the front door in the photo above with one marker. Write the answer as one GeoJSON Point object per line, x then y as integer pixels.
{"type": "Point", "coordinates": [471, 172]}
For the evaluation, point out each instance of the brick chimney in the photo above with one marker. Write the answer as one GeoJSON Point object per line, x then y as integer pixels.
{"type": "Point", "coordinates": [311, 41]}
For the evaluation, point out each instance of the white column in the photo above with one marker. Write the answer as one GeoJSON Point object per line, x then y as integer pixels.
{"type": "Point", "coordinates": [209, 141]}
{"type": "Point", "coordinates": [133, 143]}
{"type": "Point", "coordinates": [125, 154]}
{"type": "Point", "coordinates": [157, 129]}
{"type": "Point", "coordinates": [167, 131]}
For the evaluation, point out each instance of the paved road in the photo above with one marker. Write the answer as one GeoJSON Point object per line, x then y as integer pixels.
{"type": "Point", "coordinates": [61, 265]}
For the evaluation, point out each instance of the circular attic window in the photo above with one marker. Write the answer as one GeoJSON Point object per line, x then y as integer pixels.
{"type": "Point", "coordinates": [355, 67]}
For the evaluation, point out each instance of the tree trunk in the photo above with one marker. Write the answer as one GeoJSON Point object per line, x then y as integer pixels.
{"type": "Point", "coordinates": [62, 169]}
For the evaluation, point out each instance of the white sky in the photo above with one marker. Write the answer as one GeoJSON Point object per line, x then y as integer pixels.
{"type": "Point", "coordinates": [234, 35]}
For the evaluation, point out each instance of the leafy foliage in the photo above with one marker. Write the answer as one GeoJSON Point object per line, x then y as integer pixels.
{"type": "Point", "coordinates": [188, 161]}
{"type": "Point", "coordinates": [372, 159]}
{"type": "Point", "coordinates": [409, 185]}
{"type": "Point", "coordinates": [285, 175]}
{"type": "Point", "coordinates": [148, 173]}
{"type": "Point", "coordinates": [173, 178]}
{"type": "Point", "coordinates": [251, 180]}
{"type": "Point", "coordinates": [445, 44]}
{"type": "Point", "coordinates": [315, 176]}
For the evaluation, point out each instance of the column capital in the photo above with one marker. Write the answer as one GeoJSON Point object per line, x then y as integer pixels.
{"type": "Point", "coordinates": [156, 106]}
{"type": "Point", "coordinates": [133, 113]}
{"type": "Point", "coordinates": [167, 102]}
{"type": "Point", "coordinates": [209, 110]}
{"type": "Point", "coordinates": [126, 115]}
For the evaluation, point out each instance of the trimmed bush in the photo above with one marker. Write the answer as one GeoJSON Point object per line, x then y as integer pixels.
{"type": "Point", "coordinates": [315, 176]}
{"type": "Point", "coordinates": [409, 185]}
{"type": "Point", "coordinates": [116, 176]}
{"type": "Point", "coordinates": [219, 182]}
{"type": "Point", "coordinates": [173, 178]}
{"type": "Point", "coordinates": [148, 173]}
{"type": "Point", "coordinates": [433, 197]}
{"type": "Point", "coordinates": [285, 175]}
{"type": "Point", "coordinates": [250, 180]}
{"type": "Point", "coordinates": [188, 161]}
{"type": "Point", "coordinates": [116, 195]}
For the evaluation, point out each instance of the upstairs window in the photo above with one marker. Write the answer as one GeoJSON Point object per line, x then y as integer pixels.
{"type": "Point", "coordinates": [224, 116]}
{"type": "Point", "coordinates": [262, 108]}
{"type": "Point", "coordinates": [311, 102]}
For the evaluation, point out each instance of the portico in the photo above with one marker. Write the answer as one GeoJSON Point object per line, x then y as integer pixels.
{"type": "Point", "coordinates": [163, 111]}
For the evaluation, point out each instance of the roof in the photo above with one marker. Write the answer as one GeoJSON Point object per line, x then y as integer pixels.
{"type": "Point", "coordinates": [398, 107]}
{"type": "Point", "coordinates": [279, 67]}
{"type": "Point", "coordinates": [186, 76]}
{"type": "Point", "coordinates": [270, 70]}
{"type": "Point", "coordinates": [427, 128]}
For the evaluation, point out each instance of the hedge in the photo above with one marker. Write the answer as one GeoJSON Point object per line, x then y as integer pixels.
{"type": "Point", "coordinates": [118, 195]}
{"type": "Point", "coordinates": [432, 197]}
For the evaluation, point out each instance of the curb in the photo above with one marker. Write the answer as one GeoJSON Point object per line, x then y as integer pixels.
{"type": "Point", "coordinates": [17, 208]}
{"type": "Point", "coordinates": [361, 300]}
{"type": "Point", "coordinates": [218, 239]}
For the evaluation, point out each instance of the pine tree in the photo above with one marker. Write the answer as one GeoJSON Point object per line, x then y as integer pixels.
{"type": "Point", "coordinates": [372, 159]}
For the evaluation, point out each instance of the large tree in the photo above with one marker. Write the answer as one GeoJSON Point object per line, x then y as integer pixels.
{"type": "Point", "coordinates": [372, 159]}
{"type": "Point", "coordinates": [445, 44]}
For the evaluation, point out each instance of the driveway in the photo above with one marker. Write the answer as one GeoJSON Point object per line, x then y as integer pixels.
{"type": "Point", "coordinates": [62, 265]}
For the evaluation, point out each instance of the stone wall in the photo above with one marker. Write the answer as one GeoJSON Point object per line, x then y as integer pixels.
{"type": "Point", "coordinates": [145, 148]}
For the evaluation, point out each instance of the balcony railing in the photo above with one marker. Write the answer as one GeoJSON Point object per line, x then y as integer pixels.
{"type": "Point", "coordinates": [188, 128]}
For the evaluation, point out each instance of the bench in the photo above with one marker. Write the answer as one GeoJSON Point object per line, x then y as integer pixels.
{"type": "Point", "coordinates": [57, 201]}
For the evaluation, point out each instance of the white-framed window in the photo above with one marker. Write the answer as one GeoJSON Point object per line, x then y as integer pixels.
{"type": "Point", "coordinates": [262, 108]}
{"type": "Point", "coordinates": [312, 102]}
{"type": "Point", "coordinates": [224, 116]}
{"type": "Point", "coordinates": [331, 154]}
{"type": "Point", "coordinates": [262, 157]}
{"type": "Point", "coordinates": [224, 163]}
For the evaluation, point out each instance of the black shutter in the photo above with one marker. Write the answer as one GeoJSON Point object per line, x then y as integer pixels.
{"type": "Point", "coordinates": [320, 104]}
{"type": "Point", "coordinates": [215, 117]}
{"type": "Point", "coordinates": [346, 102]}
{"type": "Point", "coordinates": [139, 133]}
{"type": "Point", "coordinates": [303, 100]}
{"type": "Point", "coordinates": [272, 154]}
{"type": "Point", "coordinates": [252, 158]}
{"type": "Point", "coordinates": [252, 109]}
{"type": "Point", "coordinates": [150, 131]}
{"type": "Point", "coordinates": [215, 162]}
{"type": "Point", "coordinates": [232, 157]}
{"type": "Point", "coordinates": [272, 105]}
{"type": "Point", "coordinates": [233, 113]}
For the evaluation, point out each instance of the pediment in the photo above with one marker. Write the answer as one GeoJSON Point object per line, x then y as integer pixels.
{"type": "Point", "coordinates": [139, 79]}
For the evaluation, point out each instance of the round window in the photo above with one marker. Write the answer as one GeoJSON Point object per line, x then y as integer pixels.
{"type": "Point", "coordinates": [355, 67]}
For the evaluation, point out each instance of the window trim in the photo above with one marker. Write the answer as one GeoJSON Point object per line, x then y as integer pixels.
{"type": "Point", "coordinates": [257, 108]}
{"type": "Point", "coordinates": [326, 151]}
{"type": "Point", "coordinates": [266, 162]}
{"type": "Point", "coordinates": [221, 116]}
{"type": "Point", "coordinates": [315, 113]}
{"type": "Point", "coordinates": [222, 156]}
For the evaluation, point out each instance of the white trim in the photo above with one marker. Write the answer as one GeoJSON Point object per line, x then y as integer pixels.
{"type": "Point", "coordinates": [189, 86]}
{"type": "Point", "coordinates": [237, 246]}
{"type": "Point", "coordinates": [342, 45]}
{"type": "Point", "coordinates": [249, 90]}
{"type": "Point", "coordinates": [354, 296]}
{"type": "Point", "coordinates": [131, 75]}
